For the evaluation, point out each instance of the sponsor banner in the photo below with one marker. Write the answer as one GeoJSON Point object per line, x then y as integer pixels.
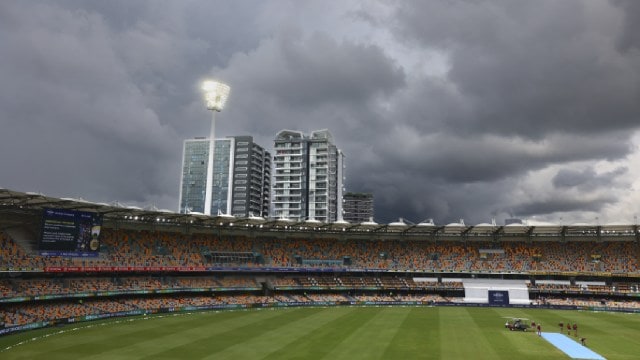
{"type": "Point", "coordinates": [498, 297]}
{"type": "Point", "coordinates": [31, 326]}
{"type": "Point", "coordinates": [15, 299]}
{"type": "Point", "coordinates": [123, 268]}
{"type": "Point", "coordinates": [69, 253]}
{"type": "Point", "coordinates": [202, 269]}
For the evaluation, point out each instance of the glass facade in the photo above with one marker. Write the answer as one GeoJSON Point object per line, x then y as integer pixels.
{"type": "Point", "coordinates": [221, 161]}
{"type": "Point", "coordinates": [241, 177]}
{"type": "Point", "coordinates": [194, 175]}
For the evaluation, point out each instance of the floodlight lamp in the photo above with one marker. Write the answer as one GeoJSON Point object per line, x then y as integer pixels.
{"type": "Point", "coordinates": [215, 94]}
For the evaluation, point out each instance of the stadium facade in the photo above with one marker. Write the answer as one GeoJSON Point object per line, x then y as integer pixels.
{"type": "Point", "coordinates": [241, 177]}
{"type": "Point", "coordinates": [308, 177]}
{"type": "Point", "coordinates": [152, 261]}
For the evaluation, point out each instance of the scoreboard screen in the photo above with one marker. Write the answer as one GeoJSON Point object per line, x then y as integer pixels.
{"type": "Point", "coordinates": [70, 233]}
{"type": "Point", "coordinates": [498, 297]}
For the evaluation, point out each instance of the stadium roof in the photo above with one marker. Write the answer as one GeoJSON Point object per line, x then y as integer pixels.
{"type": "Point", "coordinates": [120, 214]}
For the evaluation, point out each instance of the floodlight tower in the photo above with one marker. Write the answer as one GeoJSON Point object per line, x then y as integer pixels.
{"type": "Point", "coordinates": [215, 96]}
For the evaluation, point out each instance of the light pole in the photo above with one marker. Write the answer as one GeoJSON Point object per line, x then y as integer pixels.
{"type": "Point", "coordinates": [215, 96]}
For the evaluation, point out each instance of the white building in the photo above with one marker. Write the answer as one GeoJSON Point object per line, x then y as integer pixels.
{"type": "Point", "coordinates": [308, 177]}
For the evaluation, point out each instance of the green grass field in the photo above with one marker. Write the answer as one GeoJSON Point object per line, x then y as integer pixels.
{"type": "Point", "coordinates": [328, 333]}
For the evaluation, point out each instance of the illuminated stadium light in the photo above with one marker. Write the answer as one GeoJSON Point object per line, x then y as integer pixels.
{"type": "Point", "coordinates": [215, 96]}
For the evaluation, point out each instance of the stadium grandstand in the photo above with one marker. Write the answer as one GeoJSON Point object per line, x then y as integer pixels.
{"type": "Point", "coordinates": [137, 261]}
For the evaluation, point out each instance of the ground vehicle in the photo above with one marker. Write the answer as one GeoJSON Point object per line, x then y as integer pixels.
{"type": "Point", "coordinates": [517, 324]}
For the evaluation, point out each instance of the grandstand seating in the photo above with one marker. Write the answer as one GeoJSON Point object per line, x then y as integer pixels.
{"type": "Point", "coordinates": [378, 271]}
{"type": "Point", "coordinates": [147, 249]}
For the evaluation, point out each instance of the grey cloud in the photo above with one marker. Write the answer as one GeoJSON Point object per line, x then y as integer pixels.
{"type": "Point", "coordinates": [587, 179]}
{"type": "Point", "coordinates": [80, 123]}
{"type": "Point", "coordinates": [111, 88]}
{"type": "Point", "coordinates": [308, 83]}
{"type": "Point", "coordinates": [559, 205]}
{"type": "Point", "coordinates": [308, 72]}
{"type": "Point", "coordinates": [529, 69]}
{"type": "Point", "coordinates": [630, 37]}
{"type": "Point", "coordinates": [484, 158]}
{"type": "Point", "coordinates": [530, 85]}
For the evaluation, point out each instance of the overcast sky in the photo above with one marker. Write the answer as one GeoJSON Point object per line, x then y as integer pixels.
{"type": "Point", "coordinates": [444, 109]}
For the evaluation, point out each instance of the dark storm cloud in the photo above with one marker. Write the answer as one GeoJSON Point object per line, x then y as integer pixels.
{"type": "Point", "coordinates": [76, 122]}
{"type": "Point", "coordinates": [529, 68]}
{"type": "Point", "coordinates": [586, 179]}
{"type": "Point", "coordinates": [307, 83]}
{"type": "Point", "coordinates": [528, 85]}
{"type": "Point", "coordinates": [319, 70]}
{"type": "Point", "coordinates": [97, 97]}
{"type": "Point", "coordinates": [485, 158]}
{"type": "Point", "coordinates": [630, 38]}
{"type": "Point", "coordinates": [560, 205]}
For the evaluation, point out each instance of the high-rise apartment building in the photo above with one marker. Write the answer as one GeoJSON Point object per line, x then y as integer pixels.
{"type": "Point", "coordinates": [308, 177]}
{"type": "Point", "coordinates": [358, 207]}
{"type": "Point", "coordinates": [241, 177]}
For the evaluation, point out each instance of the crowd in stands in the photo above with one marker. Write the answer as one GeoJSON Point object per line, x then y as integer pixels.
{"type": "Point", "coordinates": [616, 288]}
{"type": "Point", "coordinates": [148, 248]}
{"type": "Point", "coordinates": [582, 302]}
{"type": "Point", "coordinates": [21, 287]}
{"type": "Point", "coordinates": [154, 248]}
{"type": "Point", "coordinates": [20, 314]}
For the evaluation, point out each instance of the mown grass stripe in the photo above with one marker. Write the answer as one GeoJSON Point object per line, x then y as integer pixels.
{"type": "Point", "coordinates": [370, 340]}
{"type": "Point", "coordinates": [418, 336]}
{"type": "Point", "coordinates": [330, 333]}
{"type": "Point", "coordinates": [509, 344]}
{"type": "Point", "coordinates": [281, 337]}
{"type": "Point", "coordinates": [93, 337]}
{"type": "Point", "coordinates": [318, 343]}
{"type": "Point", "coordinates": [85, 337]}
{"type": "Point", "coordinates": [218, 338]}
{"type": "Point", "coordinates": [166, 336]}
{"type": "Point", "coordinates": [610, 335]}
